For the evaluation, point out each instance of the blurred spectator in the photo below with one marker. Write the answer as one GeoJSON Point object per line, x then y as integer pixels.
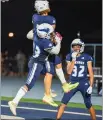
{"type": "Point", "coordinates": [21, 60]}
{"type": "Point", "coordinates": [12, 66]}
{"type": "Point", "coordinates": [2, 63]}
{"type": "Point", "coordinates": [6, 62]}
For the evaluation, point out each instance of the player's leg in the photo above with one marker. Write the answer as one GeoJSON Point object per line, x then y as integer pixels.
{"type": "Point", "coordinates": [87, 99]}
{"type": "Point", "coordinates": [92, 113]}
{"type": "Point", "coordinates": [47, 83]}
{"type": "Point", "coordinates": [59, 71]}
{"type": "Point", "coordinates": [60, 111]}
{"type": "Point", "coordinates": [33, 75]}
{"type": "Point", "coordinates": [65, 100]}
{"type": "Point", "coordinates": [49, 72]}
{"type": "Point", "coordinates": [48, 95]}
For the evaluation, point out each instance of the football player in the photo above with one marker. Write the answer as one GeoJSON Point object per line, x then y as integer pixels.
{"type": "Point", "coordinates": [43, 20]}
{"type": "Point", "coordinates": [77, 71]}
{"type": "Point", "coordinates": [42, 47]}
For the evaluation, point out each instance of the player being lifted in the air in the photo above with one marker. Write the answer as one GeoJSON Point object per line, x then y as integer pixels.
{"type": "Point", "coordinates": [77, 71]}
{"type": "Point", "coordinates": [41, 20]}
{"type": "Point", "coordinates": [42, 47]}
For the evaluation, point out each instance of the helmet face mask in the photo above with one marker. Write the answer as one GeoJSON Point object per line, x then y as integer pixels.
{"type": "Point", "coordinates": [76, 47]}
{"type": "Point", "coordinates": [42, 6]}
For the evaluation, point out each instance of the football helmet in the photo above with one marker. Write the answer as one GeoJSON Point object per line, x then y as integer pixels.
{"type": "Point", "coordinates": [44, 30]}
{"type": "Point", "coordinates": [41, 5]}
{"type": "Point", "coordinates": [78, 41]}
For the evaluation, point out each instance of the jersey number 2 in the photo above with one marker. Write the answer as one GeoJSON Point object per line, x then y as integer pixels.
{"type": "Point", "coordinates": [76, 73]}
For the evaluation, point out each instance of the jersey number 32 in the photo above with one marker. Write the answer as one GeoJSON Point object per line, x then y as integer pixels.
{"type": "Point", "coordinates": [77, 73]}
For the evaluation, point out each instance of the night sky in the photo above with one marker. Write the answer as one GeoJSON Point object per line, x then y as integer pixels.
{"type": "Point", "coordinates": [71, 15]}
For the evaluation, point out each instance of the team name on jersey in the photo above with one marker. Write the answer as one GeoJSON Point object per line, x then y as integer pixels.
{"type": "Point", "coordinates": [79, 62]}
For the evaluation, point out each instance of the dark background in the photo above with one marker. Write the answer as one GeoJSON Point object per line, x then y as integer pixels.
{"type": "Point", "coordinates": [71, 15]}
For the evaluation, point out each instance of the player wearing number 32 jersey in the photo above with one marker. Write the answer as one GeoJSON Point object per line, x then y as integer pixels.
{"type": "Point", "coordinates": [78, 65]}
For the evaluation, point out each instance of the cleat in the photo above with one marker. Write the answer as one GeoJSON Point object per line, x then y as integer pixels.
{"type": "Point", "coordinates": [53, 94]}
{"type": "Point", "coordinates": [12, 106]}
{"type": "Point", "coordinates": [67, 87]}
{"type": "Point", "coordinates": [49, 100]}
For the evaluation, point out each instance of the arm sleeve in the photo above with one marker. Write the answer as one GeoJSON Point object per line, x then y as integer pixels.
{"type": "Point", "coordinates": [89, 58]}
{"type": "Point", "coordinates": [49, 47]}
{"type": "Point", "coordinates": [52, 21]}
{"type": "Point", "coordinates": [54, 50]}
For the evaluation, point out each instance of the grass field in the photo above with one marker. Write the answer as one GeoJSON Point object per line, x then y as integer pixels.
{"type": "Point", "coordinates": [76, 105]}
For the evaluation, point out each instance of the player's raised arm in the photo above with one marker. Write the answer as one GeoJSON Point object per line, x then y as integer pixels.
{"type": "Point", "coordinates": [70, 64]}
{"type": "Point", "coordinates": [55, 49]}
{"type": "Point", "coordinates": [70, 67]}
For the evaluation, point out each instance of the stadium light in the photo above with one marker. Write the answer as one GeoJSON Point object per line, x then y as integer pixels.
{"type": "Point", "coordinates": [10, 34]}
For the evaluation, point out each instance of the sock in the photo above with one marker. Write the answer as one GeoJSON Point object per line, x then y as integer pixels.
{"type": "Point", "coordinates": [22, 91]}
{"type": "Point", "coordinates": [60, 75]}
